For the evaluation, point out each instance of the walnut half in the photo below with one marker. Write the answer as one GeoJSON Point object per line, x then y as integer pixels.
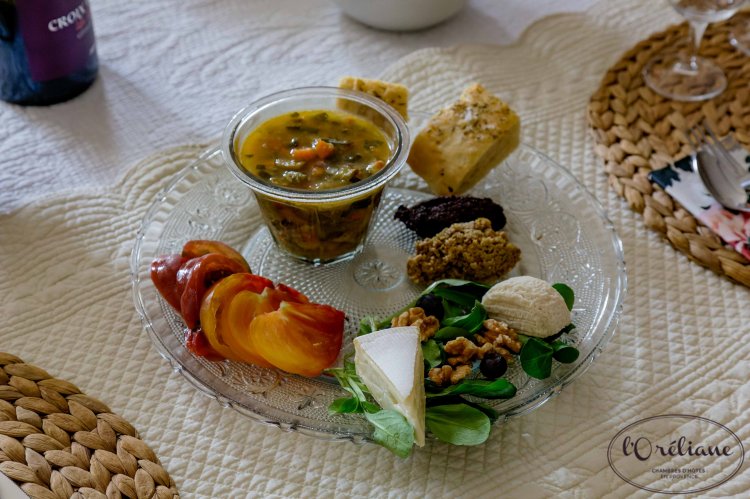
{"type": "Point", "coordinates": [463, 351]}
{"type": "Point", "coordinates": [445, 375]}
{"type": "Point", "coordinates": [415, 316]}
{"type": "Point", "coordinates": [500, 338]}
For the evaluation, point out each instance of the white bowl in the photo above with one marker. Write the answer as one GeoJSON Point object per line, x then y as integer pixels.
{"type": "Point", "coordinates": [401, 15]}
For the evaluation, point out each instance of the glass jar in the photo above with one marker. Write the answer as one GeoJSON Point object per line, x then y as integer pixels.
{"type": "Point", "coordinates": [318, 226]}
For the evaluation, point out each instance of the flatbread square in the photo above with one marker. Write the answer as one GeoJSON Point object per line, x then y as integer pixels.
{"type": "Point", "coordinates": [391, 93]}
{"type": "Point", "coordinates": [464, 141]}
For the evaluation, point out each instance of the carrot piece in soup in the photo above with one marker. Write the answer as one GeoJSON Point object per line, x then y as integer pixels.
{"type": "Point", "coordinates": [323, 148]}
{"type": "Point", "coordinates": [304, 153]}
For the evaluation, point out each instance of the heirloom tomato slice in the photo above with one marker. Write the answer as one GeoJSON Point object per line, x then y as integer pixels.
{"type": "Point", "coordinates": [300, 338]}
{"type": "Point", "coordinates": [200, 247]}
{"type": "Point", "coordinates": [164, 276]}
{"type": "Point", "coordinates": [291, 294]}
{"type": "Point", "coordinates": [197, 343]}
{"type": "Point", "coordinates": [196, 276]}
{"type": "Point", "coordinates": [215, 304]}
{"type": "Point", "coordinates": [183, 274]}
{"type": "Point", "coordinates": [235, 324]}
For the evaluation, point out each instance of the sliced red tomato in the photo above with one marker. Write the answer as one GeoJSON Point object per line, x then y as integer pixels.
{"type": "Point", "coordinates": [182, 275]}
{"type": "Point", "coordinates": [197, 343]}
{"type": "Point", "coordinates": [164, 276]}
{"type": "Point", "coordinates": [200, 247]}
{"type": "Point", "coordinates": [196, 276]}
{"type": "Point", "coordinates": [300, 338]}
{"type": "Point", "coordinates": [281, 293]}
{"type": "Point", "coordinates": [291, 294]}
{"type": "Point", "coordinates": [214, 308]}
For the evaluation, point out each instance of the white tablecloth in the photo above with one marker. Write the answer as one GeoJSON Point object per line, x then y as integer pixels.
{"type": "Point", "coordinates": [174, 72]}
{"type": "Point", "coordinates": [173, 75]}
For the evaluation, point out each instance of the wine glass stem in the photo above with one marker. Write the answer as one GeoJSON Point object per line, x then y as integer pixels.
{"type": "Point", "coordinates": [697, 29]}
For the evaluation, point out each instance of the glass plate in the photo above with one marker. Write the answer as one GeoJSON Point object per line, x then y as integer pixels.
{"type": "Point", "coordinates": [563, 233]}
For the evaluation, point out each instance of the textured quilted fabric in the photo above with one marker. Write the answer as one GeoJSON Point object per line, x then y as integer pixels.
{"type": "Point", "coordinates": [175, 71]}
{"type": "Point", "coordinates": [66, 306]}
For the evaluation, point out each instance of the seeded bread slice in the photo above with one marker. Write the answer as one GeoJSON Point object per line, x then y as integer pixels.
{"type": "Point", "coordinates": [463, 142]}
{"type": "Point", "coordinates": [392, 93]}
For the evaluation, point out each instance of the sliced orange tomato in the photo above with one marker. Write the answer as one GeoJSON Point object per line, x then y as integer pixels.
{"type": "Point", "coordinates": [200, 247]}
{"type": "Point", "coordinates": [300, 338]}
{"type": "Point", "coordinates": [232, 304]}
{"type": "Point", "coordinates": [214, 307]}
{"type": "Point", "coordinates": [235, 324]}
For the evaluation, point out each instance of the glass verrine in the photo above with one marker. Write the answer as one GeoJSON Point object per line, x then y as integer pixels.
{"type": "Point", "coordinates": [682, 74]}
{"type": "Point", "coordinates": [327, 225]}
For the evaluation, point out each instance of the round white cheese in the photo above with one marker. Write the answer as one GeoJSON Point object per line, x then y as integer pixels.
{"type": "Point", "coordinates": [529, 305]}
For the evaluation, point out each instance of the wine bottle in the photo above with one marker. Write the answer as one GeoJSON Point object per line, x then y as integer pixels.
{"type": "Point", "coordinates": [47, 50]}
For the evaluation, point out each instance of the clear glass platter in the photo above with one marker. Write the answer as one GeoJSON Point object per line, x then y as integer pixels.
{"type": "Point", "coordinates": [563, 233]}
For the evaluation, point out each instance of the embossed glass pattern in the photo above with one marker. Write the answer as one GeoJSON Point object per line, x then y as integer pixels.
{"type": "Point", "coordinates": [561, 229]}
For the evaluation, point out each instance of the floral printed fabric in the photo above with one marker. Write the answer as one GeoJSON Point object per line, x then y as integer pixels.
{"type": "Point", "coordinates": [685, 186]}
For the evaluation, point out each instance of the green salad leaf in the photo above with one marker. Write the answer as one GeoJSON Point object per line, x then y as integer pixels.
{"type": "Point", "coordinates": [500, 388]}
{"type": "Point", "coordinates": [368, 324]}
{"type": "Point", "coordinates": [451, 333]}
{"type": "Point", "coordinates": [536, 358]}
{"type": "Point", "coordinates": [349, 381]}
{"type": "Point", "coordinates": [458, 424]}
{"type": "Point", "coordinates": [457, 399]}
{"type": "Point", "coordinates": [566, 292]}
{"type": "Point", "coordinates": [462, 299]}
{"type": "Point", "coordinates": [488, 411]}
{"type": "Point", "coordinates": [450, 309]}
{"type": "Point", "coordinates": [536, 355]}
{"type": "Point", "coordinates": [472, 322]}
{"type": "Point", "coordinates": [432, 353]}
{"type": "Point", "coordinates": [475, 288]}
{"type": "Point", "coordinates": [562, 352]}
{"type": "Point", "coordinates": [344, 405]}
{"type": "Point", "coordinates": [566, 329]}
{"type": "Point", "coordinates": [392, 431]}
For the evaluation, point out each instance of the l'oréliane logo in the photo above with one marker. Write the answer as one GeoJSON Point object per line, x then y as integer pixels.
{"type": "Point", "coordinates": [676, 454]}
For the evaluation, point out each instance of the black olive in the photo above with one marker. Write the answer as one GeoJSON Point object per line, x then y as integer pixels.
{"type": "Point", "coordinates": [493, 366]}
{"type": "Point", "coordinates": [432, 305]}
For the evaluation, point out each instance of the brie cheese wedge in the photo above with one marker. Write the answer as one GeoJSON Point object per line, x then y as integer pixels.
{"type": "Point", "coordinates": [389, 362]}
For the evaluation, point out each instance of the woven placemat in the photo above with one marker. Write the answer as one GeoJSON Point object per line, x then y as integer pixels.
{"type": "Point", "coordinates": [636, 130]}
{"type": "Point", "coordinates": [58, 443]}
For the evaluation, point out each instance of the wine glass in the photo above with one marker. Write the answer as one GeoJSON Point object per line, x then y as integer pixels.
{"type": "Point", "coordinates": [683, 75]}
